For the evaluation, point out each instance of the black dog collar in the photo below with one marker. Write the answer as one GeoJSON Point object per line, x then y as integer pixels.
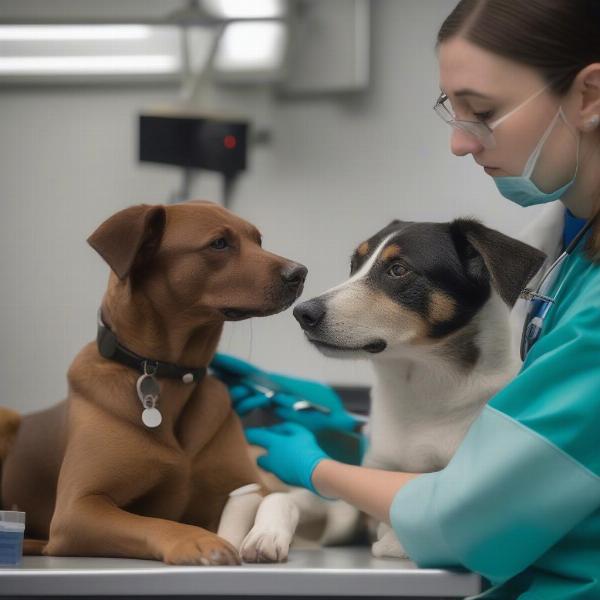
{"type": "Point", "coordinates": [109, 347]}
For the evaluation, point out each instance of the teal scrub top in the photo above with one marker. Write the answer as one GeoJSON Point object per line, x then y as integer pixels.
{"type": "Point", "coordinates": [519, 503]}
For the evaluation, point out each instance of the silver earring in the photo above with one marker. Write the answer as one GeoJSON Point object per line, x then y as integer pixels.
{"type": "Point", "coordinates": [592, 122]}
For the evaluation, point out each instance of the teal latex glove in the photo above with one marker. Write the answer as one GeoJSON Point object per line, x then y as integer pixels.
{"type": "Point", "coordinates": [317, 393]}
{"type": "Point", "coordinates": [234, 371]}
{"type": "Point", "coordinates": [292, 452]}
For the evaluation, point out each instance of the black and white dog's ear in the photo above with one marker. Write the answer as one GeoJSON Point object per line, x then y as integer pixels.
{"type": "Point", "coordinates": [485, 253]}
{"type": "Point", "coordinates": [397, 222]}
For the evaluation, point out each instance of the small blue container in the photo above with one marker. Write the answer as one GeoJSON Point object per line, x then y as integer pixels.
{"type": "Point", "coordinates": [12, 531]}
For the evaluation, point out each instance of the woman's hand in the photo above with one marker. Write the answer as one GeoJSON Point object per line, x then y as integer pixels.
{"type": "Point", "coordinates": [318, 394]}
{"type": "Point", "coordinates": [241, 378]}
{"type": "Point", "coordinates": [232, 371]}
{"type": "Point", "coordinates": [292, 452]}
{"type": "Point", "coordinates": [295, 457]}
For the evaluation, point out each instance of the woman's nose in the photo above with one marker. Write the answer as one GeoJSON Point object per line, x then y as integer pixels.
{"type": "Point", "coordinates": [462, 143]}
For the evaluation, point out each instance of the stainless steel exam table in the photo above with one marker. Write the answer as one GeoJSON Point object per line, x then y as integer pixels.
{"type": "Point", "coordinates": [315, 573]}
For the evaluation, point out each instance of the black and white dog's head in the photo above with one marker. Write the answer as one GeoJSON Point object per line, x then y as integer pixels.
{"type": "Point", "coordinates": [415, 284]}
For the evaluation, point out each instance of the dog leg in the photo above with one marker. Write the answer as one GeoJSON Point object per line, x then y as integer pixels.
{"type": "Point", "coordinates": [270, 538]}
{"type": "Point", "coordinates": [9, 426]}
{"type": "Point", "coordinates": [339, 521]}
{"type": "Point", "coordinates": [311, 519]}
{"type": "Point", "coordinates": [387, 544]}
{"type": "Point", "coordinates": [342, 524]}
{"type": "Point", "coordinates": [94, 526]}
{"type": "Point", "coordinates": [239, 514]}
{"type": "Point", "coordinates": [310, 506]}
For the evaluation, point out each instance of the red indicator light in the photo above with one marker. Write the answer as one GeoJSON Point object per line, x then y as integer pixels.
{"type": "Point", "coordinates": [230, 142]}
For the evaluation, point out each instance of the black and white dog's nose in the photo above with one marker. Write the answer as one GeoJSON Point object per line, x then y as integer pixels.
{"type": "Point", "coordinates": [310, 313]}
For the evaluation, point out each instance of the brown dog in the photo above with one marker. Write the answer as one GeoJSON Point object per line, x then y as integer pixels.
{"type": "Point", "coordinates": [96, 481]}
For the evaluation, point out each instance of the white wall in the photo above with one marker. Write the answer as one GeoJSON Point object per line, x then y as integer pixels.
{"type": "Point", "coordinates": [336, 171]}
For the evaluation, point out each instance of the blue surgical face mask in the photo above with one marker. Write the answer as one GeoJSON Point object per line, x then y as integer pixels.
{"type": "Point", "coordinates": [521, 189]}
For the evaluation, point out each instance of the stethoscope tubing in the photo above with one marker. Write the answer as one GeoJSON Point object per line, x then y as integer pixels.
{"type": "Point", "coordinates": [537, 294]}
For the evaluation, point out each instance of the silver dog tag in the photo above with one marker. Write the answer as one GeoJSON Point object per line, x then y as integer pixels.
{"type": "Point", "coordinates": [147, 386]}
{"type": "Point", "coordinates": [148, 391]}
{"type": "Point", "coordinates": [151, 417]}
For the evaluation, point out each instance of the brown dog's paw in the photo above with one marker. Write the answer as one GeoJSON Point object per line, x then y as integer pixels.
{"type": "Point", "coordinates": [33, 547]}
{"type": "Point", "coordinates": [201, 549]}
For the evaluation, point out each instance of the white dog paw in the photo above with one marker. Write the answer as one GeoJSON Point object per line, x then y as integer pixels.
{"type": "Point", "coordinates": [388, 546]}
{"type": "Point", "coordinates": [265, 546]}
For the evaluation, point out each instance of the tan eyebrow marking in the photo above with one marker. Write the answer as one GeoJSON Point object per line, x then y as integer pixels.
{"type": "Point", "coordinates": [392, 251]}
{"type": "Point", "coordinates": [441, 307]}
{"type": "Point", "coordinates": [363, 249]}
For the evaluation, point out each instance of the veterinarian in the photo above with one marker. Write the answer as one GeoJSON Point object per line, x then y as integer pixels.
{"type": "Point", "coordinates": [520, 501]}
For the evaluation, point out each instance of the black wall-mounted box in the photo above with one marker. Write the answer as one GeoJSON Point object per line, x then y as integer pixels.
{"type": "Point", "coordinates": [196, 142]}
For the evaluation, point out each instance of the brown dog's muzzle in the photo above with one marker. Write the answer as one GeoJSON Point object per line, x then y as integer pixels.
{"type": "Point", "coordinates": [285, 288]}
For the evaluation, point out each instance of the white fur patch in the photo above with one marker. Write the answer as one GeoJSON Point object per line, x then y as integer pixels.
{"type": "Point", "coordinates": [364, 270]}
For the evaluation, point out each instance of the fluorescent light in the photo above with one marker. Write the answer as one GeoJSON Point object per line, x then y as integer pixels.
{"type": "Point", "coordinates": [246, 9]}
{"type": "Point", "coordinates": [93, 65]}
{"type": "Point", "coordinates": [73, 32]}
{"type": "Point", "coordinates": [251, 46]}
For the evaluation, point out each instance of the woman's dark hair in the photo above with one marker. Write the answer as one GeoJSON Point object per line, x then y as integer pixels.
{"type": "Point", "coordinates": [557, 38]}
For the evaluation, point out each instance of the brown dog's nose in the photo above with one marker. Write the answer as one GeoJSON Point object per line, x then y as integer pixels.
{"type": "Point", "coordinates": [293, 275]}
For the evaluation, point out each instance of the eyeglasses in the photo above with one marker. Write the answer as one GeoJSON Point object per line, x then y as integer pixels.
{"type": "Point", "coordinates": [478, 129]}
{"type": "Point", "coordinates": [483, 131]}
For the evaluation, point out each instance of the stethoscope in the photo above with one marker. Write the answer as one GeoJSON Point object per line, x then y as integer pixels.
{"type": "Point", "coordinates": [540, 302]}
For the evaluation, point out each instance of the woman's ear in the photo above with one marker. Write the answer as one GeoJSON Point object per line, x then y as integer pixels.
{"type": "Point", "coordinates": [130, 237]}
{"type": "Point", "coordinates": [587, 86]}
{"type": "Point", "coordinates": [487, 253]}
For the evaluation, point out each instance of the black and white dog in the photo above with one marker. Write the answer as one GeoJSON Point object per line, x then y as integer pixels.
{"type": "Point", "coordinates": [429, 305]}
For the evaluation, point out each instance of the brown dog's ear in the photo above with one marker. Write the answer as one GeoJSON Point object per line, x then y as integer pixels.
{"type": "Point", "coordinates": [509, 262]}
{"type": "Point", "coordinates": [129, 236]}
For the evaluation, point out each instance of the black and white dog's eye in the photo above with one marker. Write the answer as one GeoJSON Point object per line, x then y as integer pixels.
{"type": "Point", "coordinates": [220, 244]}
{"type": "Point", "coordinates": [398, 270]}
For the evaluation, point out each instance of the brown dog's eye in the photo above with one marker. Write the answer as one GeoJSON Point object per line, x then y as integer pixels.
{"type": "Point", "coordinates": [219, 244]}
{"type": "Point", "coordinates": [398, 270]}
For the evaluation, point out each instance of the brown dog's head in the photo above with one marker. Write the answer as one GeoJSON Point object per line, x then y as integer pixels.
{"type": "Point", "coordinates": [196, 258]}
